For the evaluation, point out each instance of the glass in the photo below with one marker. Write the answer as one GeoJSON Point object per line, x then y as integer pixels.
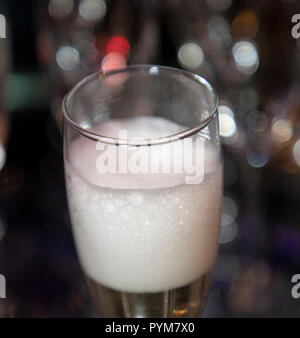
{"type": "Point", "coordinates": [144, 182]}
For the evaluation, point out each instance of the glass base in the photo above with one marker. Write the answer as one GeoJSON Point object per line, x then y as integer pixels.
{"type": "Point", "coordinates": [184, 302]}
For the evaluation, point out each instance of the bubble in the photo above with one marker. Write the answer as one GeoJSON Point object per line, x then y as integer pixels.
{"type": "Point", "coordinates": [126, 213]}
{"type": "Point", "coordinates": [119, 203]}
{"type": "Point", "coordinates": [135, 199]}
{"type": "Point", "coordinates": [108, 206]}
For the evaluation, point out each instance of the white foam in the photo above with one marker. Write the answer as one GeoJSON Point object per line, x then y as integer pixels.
{"type": "Point", "coordinates": [143, 233]}
{"type": "Point", "coordinates": [164, 165]}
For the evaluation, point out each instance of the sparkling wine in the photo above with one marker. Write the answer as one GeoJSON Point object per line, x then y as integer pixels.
{"type": "Point", "coordinates": [147, 242]}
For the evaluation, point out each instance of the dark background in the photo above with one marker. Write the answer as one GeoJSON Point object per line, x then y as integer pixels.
{"type": "Point", "coordinates": [244, 48]}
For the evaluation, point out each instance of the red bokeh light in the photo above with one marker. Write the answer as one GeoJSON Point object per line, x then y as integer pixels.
{"type": "Point", "coordinates": [118, 44]}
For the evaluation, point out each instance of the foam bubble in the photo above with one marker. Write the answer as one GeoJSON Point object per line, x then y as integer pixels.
{"type": "Point", "coordinates": [135, 198]}
{"type": "Point", "coordinates": [108, 206]}
{"type": "Point", "coordinates": [154, 234]}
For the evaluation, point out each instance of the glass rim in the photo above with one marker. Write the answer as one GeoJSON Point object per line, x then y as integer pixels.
{"type": "Point", "coordinates": [139, 141]}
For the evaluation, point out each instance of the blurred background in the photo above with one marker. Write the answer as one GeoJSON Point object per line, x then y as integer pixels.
{"type": "Point", "coordinates": [244, 48]}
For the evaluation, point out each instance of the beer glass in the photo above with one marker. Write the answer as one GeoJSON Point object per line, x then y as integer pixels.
{"type": "Point", "coordinates": [144, 183]}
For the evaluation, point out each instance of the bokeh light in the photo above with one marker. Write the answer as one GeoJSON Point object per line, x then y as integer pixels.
{"type": "Point", "coordinates": [228, 233]}
{"type": "Point", "coordinates": [226, 121]}
{"type": "Point", "coordinates": [67, 58]}
{"type": "Point", "coordinates": [218, 5]}
{"type": "Point", "coordinates": [282, 130]}
{"type": "Point", "coordinates": [257, 159]}
{"type": "Point", "coordinates": [113, 61]}
{"type": "Point", "coordinates": [245, 25]}
{"type": "Point", "coordinates": [118, 44]}
{"type": "Point", "coordinates": [59, 9]}
{"type": "Point", "coordinates": [296, 152]}
{"type": "Point", "coordinates": [92, 10]}
{"type": "Point", "coordinates": [190, 55]}
{"type": "Point", "coordinates": [246, 57]}
{"type": "Point", "coordinates": [219, 32]}
{"type": "Point", "coordinates": [237, 140]}
{"type": "Point", "coordinates": [229, 211]}
{"type": "Point", "coordinates": [229, 227]}
{"type": "Point", "coordinates": [257, 121]}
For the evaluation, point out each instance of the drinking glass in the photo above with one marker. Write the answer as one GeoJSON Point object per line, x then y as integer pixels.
{"type": "Point", "coordinates": [143, 173]}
